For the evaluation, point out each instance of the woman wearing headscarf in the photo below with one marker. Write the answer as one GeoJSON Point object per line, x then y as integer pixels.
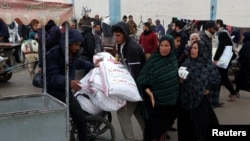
{"type": "Point", "coordinates": [198, 78]}
{"type": "Point", "coordinates": [158, 85]}
{"type": "Point", "coordinates": [243, 76]}
{"type": "Point", "coordinates": [193, 37]}
{"type": "Point", "coordinates": [224, 41]}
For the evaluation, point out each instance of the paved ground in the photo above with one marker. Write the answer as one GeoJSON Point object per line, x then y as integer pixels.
{"type": "Point", "coordinates": [232, 113]}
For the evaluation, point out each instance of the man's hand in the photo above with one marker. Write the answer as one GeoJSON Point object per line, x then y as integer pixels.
{"type": "Point", "coordinates": [181, 80]}
{"type": "Point", "coordinates": [39, 70]}
{"type": "Point", "coordinates": [97, 62]}
{"type": "Point", "coordinates": [206, 92]}
{"type": "Point", "coordinates": [75, 85]}
{"type": "Point", "coordinates": [215, 62]}
{"type": "Point", "coordinates": [114, 61]}
{"type": "Point", "coordinates": [1, 38]}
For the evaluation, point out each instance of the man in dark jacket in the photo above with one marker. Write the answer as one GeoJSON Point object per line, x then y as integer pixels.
{"type": "Point", "coordinates": [4, 32]}
{"type": "Point", "coordinates": [87, 49]}
{"type": "Point", "coordinates": [55, 60]}
{"type": "Point", "coordinates": [97, 31]}
{"type": "Point", "coordinates": [131, 55]}
{"type": "Point", "coordinates": [52, 38]}
{"type": "Point", "coordinates": [207, 35]}
{"type": "Point", "coordinates": [88, 45]}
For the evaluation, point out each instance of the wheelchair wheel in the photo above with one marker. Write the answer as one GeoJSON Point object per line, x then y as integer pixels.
{"type": "Point", "coordinates": [5, 76]}
{"type": "Point", "coordinates": [107, 115]}
{"type": "Point", "coordinates": [99, 129]}
{"type": "Point", "coordinates": [73, 132]}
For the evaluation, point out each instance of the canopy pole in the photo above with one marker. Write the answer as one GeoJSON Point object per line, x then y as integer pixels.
{"type": "Point", "coordinates": [44, 61]}
{"type": "Point", "coordinates": [213, 10]}
{"type": "Point", "coordinates": [115, 11]}
{"type": "Point", "coordinates": [67, 76]}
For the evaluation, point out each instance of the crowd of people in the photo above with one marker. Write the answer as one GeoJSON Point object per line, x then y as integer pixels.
{"type": "Point", "coordinates": [177, 74]}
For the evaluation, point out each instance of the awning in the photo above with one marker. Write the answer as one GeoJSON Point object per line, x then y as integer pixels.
{"type": "Point", "coordinates": [27, 10]}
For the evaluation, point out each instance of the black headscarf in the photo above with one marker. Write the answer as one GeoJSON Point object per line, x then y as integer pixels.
{"type": "Point", "coordinates": [244, 57]}
{"type": "Point", "coordinates": [202, 75]}
{"type": "Point", "coordinates": [160, 75]}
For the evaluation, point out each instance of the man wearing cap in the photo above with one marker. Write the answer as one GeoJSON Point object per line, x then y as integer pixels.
{"type": "Point", "coordinates": [55, 61]}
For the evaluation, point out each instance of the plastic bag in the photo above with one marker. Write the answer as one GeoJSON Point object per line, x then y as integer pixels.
{"type": "Point", "coordinates": [37, 80]}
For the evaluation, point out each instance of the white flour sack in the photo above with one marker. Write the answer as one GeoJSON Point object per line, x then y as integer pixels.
{"type": "Point", "coordinates": [91, 81]}
{"type": "Point", "coordinates": [119, 82]}
{"type": "Point", "coordinates": [96, 81]}
{"type": "Point", "coordinates": [87, 105]}
{"type": "Point", "coordinates": [107, 103]}
{"type": "Point", "coordinates": [84, 83]}
{"type": "Point", "coordinates": [93, 87]}
{"type": "Point", "coordinates": [103, 55]}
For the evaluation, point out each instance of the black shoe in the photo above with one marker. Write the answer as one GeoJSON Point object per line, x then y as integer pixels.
{"type": "Point", "coordinates": [218, 105]}
{"type": "Point", "coordinates": [168, 137]}
{"type": "Point", "coordinates": [172, 129]}
{"type": "Point", "coordinates": [237, 93]}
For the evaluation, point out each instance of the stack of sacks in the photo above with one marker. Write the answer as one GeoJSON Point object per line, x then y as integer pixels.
{"type": "Point", "coordinates": [108, 86]}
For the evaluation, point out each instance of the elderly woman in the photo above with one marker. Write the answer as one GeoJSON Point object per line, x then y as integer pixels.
{"type": "Point", "coordinates": [158, 85]}
{"type": "Point", "coordinates": [193, 37]}
{"type": "Point", "coordinates": [198, 78]}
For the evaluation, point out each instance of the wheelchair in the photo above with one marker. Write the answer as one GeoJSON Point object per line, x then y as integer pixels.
{"type": "Point", "coordinates": [99, 128]}
{"type": "Point", "coordinates": [5, 71]}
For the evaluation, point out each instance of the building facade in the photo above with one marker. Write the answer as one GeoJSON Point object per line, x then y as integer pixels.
{"type": "Point", "coordinates": [232, 12]}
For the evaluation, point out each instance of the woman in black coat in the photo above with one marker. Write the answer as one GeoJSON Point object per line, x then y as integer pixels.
{"type": "Point", "coordinates": [197, 82]}
{"type": "Point", "coordinates": [243, 77]}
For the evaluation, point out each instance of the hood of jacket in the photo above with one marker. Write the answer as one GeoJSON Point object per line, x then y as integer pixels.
{"type": "Point", "coordinates": [74, 37]}
{"type": "Point", "coordinates": [246, 36]}
{"type": "Point", "coordinates": [125, 28]}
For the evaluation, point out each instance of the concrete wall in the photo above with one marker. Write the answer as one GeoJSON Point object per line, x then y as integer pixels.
{"type": "Point", "coordinates": [233, 12]}
{"type": "Point", "coordinates": [100, 7]}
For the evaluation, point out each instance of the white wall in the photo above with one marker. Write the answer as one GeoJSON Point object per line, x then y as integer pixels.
{"type": "Point", "coordinates": [233, 12]}
{"type": "Point", "coordinates": [100, 7]}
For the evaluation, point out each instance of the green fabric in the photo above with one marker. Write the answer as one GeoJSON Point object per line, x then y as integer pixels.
{"type": "Point", "coordinates": [160, 74]}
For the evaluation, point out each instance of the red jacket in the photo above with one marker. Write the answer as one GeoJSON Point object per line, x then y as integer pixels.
{"type": "Point", "coordinates": [149, 42]}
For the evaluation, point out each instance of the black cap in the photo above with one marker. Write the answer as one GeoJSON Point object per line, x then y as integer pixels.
{"type": "Point", "coordinates": [146, 24]}
{"type": "Point", "coordinates": [210, 24]}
